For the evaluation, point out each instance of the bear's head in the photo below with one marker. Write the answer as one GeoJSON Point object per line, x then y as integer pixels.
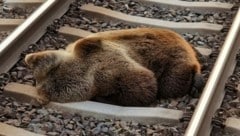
{"type": "Point", "coordinates": [42, 62]}
{"type": "Point", "coordinates": [62, 74]}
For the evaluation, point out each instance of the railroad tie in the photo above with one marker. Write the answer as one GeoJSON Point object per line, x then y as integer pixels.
{"type": "Point", "coordinates": [7, 130]}
{"type": "Point", "coordinates": [145, 115]}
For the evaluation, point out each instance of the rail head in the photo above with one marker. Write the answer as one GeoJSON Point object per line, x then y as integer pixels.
{"type": "Point", "coordinates": [213, 92]}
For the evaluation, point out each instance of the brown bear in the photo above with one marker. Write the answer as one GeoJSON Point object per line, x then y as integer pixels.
{"type": "Point", "coordinates": [131, 67]}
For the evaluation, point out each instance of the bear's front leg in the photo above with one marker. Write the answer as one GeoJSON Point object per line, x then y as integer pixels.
{"type": "Point", "coordinates": [43, 97]}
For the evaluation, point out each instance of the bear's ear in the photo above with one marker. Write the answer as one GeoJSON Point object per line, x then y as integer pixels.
{"type": "Point", "coordinates": [87, 46]}
{"type": "Point", "coordinates": [43, 62]}
{"type": "Point", "coordinates": [44, 59]}
{"type": "Point", "coordinates": [33, 59]}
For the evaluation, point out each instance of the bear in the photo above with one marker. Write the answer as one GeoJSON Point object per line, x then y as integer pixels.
{"type": "Point", "coordinates": [131, 67]}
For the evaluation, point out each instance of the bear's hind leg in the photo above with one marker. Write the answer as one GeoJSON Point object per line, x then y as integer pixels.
{"type": "Point", "coordinates": [175, 81]}
{"type": "Point", "coordinates": [136, 88]}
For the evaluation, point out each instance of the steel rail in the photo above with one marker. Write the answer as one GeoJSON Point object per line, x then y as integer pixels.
{"type": "Point", "coordinates": [213, 93]}
{"type": "Point", "coordinates": [30, 31]}
{"type": "Point", "coordinates": [22, 28]}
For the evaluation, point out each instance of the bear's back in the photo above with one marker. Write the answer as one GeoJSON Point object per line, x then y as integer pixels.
{"type": "Point", "coordinates": [146, 45]}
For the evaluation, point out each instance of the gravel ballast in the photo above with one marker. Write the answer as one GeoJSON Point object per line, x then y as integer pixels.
{"type": "Point", "coordinates": [3, 35]}
{"type": "Point", "coordinates": [170, 14]}
{"type": "Point", "coordinates": [224, 1]}
{"type": "Point", "coordinates": [51, 122]}
{"type": "Point", "coordinates": [16, 13]}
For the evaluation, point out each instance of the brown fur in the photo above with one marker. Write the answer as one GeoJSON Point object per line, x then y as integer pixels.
{"type": "Point", "coordinates": [133, 67]}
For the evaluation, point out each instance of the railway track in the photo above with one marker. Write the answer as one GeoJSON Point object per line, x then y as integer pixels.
{"type": "Point", "coordinates": [13, 13]}
{"type": "Point", "coordinates": [55, 24]}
